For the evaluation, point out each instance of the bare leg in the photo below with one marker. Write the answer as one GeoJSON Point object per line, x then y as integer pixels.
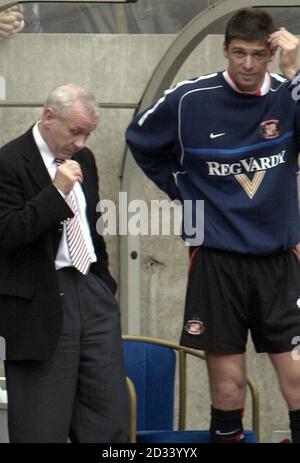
{"type": "Point", "coordinates": [287, 366]}
{"type": "Point", "coordinates": [288, 372]}
{"type": "Point", "coordinates": [227, 376]}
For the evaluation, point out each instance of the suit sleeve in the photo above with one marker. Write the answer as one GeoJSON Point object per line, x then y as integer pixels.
{"type": "Point", "coordinates": [23, 220]}
{"type": "Point", "coordinates": [153, 140]}
{"type": "Point", "coordinates": [101, 267]}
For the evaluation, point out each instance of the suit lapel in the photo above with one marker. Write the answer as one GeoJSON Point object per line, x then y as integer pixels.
{"type": "Point", "coordinates": [85, 183]}
{"type": "Point", "coordinates": [34, 161]}
{"type": "Point", "coordinates": [39, 173]}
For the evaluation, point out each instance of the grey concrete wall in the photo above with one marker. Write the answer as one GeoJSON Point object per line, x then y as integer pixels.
{"type": "Point", "coordinates": [117, 68]}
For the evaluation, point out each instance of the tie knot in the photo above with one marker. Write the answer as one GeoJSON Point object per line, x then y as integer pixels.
{"type": "Point", "coordinates": [59, 162]}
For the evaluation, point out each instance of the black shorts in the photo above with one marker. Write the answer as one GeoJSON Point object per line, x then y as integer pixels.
{"type": "Point", "coordinates": [229, 294]}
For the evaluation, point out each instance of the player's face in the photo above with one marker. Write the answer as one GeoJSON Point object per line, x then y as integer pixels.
{"type": "Point", "coordinates": [247, 63]}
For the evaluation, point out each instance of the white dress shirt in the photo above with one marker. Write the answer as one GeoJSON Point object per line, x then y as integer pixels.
{"type": "Point", "coordinates": [63, 258]}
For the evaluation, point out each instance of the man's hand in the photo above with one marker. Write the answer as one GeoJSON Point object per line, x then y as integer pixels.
{"type": "Point", "coordinates": [67, 175]}
{"type": "Point", "coordinates": [288, 45]}
{"type": "Point", "coordinates": [11, 21]}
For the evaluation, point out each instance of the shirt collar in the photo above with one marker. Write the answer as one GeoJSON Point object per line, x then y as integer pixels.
{"type": "Point", "coordinates": [264, 89]}
{"type": "Point", "coordinates": [46, 153]}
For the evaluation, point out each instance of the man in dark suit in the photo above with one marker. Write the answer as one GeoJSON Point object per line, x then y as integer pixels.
{"type": "Point", "coordinates": [64, 368]}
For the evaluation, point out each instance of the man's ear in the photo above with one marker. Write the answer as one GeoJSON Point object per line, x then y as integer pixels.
{"type": "Point", "coordinates": [48, 117]}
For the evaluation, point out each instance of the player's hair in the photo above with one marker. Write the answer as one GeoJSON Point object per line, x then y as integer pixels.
{"type": "Point", "coordinates": [249, 24]}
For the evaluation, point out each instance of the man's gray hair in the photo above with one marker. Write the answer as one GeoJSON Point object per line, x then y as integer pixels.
{"type": "Point", "coordinates": [64, 96]}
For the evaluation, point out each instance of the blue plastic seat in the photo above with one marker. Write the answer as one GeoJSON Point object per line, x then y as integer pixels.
{"type": "Point", "coordinates": [188, 437]}
{"type": "Point", "coordinates": [151, 366]}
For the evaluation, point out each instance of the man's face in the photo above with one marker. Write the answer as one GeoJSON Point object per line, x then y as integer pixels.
{"type": "Point", "coordinates": [247, 63]}
{"type": "Point", "coordinates": [68, 134]}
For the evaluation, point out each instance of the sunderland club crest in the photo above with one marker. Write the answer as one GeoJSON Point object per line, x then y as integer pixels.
{"type": "Point", "coordinates": [270, 129]}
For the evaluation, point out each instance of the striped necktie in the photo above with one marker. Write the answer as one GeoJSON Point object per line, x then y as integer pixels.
{"type": "Point", "coordinates": [78, 249]}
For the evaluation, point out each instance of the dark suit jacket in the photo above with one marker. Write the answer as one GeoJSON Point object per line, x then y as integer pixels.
{"type": "Point", "coordinates": [31, 216]}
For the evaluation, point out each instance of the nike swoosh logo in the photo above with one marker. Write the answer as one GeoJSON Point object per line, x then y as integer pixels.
{"type": "Point", "coordinates": [216, 135]}
{"type": "Point", "coordinates": [220, 433]}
